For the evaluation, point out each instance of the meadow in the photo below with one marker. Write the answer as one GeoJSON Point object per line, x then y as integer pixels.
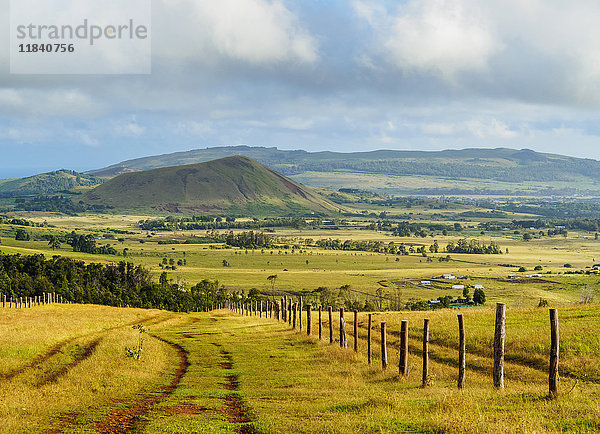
{"type": "Point", "coordinates": [305, 269]}
{"type": "Point", "coordinates": [65, 368]}
{"type": "Point", "coordinates": [225, 372]}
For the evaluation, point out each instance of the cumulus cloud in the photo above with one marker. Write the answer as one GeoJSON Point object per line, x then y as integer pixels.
{"type": "Point", "coordinates": [344, 75]}
{"type": "Point", "coordinates": [255, 31]}
{"type": "Point", "coordinates": [441, 36]}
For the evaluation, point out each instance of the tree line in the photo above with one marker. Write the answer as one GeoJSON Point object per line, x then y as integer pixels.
{"type": "Point", "coordinates": [122, 284]}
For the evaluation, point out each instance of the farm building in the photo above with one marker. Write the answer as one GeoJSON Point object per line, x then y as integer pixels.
{"type": "Point", "coordinates": [477, 286]}
{"type": "Point", "coordinates": [514, 276]}
{"type": "Point", "coordinates": [458, 286]}
{"type": "Point", "coordinates": [425, 282]}
{"type": "Point", "coordinates": [448, 276]}
{"type": "Point", "coordinates": [534, 275]}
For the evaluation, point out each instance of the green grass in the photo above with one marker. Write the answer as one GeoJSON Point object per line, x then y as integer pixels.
{"type": "Point", "coordinates": [286, 381]}
{"type": "Point", "coordinates": [396, 276]}
{"type": "Point", "coordinates": [62, 360]}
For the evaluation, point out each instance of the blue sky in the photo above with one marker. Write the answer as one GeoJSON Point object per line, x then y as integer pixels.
{"type": "Point", "coordinates": [322, 75]}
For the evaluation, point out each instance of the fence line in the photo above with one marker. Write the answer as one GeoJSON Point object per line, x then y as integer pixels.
{"type": "Point", "coordinates": [30, 302]}
{"type": "Point", "coordinates": [288, 311]}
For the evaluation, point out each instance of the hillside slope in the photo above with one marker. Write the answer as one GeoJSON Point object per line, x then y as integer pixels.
{"type": "Point", "coordinates": [231, 183]}
{"type": "Point", "coordinates": [466, 171]}
{"type": "Point", "coordinates": [48, 183]}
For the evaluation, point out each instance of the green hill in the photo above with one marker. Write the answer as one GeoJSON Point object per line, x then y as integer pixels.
{"type": "Point", "coordinates": [228, 184]}
{"type": "Point", "coordinates": [500, 171]}
{"type": "Point", "coordinates": [48, 183]}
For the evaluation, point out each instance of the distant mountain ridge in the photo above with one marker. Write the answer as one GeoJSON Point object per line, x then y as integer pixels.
{"type": "Point", "coordinates": [465, 172]}
{"type": "Point", "coordinates": [227, 184]}
{"type": "Point", "coordinates": [551, 173]}
{"type": "Point", "coordinates": [48, 183]}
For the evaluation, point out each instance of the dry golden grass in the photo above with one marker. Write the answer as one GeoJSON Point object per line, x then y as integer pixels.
{"type": "Point", "coordinates": [89, 372]}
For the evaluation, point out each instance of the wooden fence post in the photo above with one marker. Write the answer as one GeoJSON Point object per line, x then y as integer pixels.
{"type": "Point", "coordinates": [425, 382]}
{"type": "Point", "coordinates": [320, 323]}
{"type": "Point", "coordinates": [384, 361]}
{"type": "Point", "coordinates": [499, 337]}
{"type": "Point", "coordinates": [343, 333]}
{"type": "Point", "coordinates": [403, 364]}
{"type": "Point", "coordinates": [295, 310]}
{"type": "Point", "coordinates": [554, 350]}
{"type": "Point", "coordinates": [369, 338]}
{"type": "Point", "coordinates": [342, 328]}
{"type": "Point", "coordinates": [283, 306]}
{"type": "Point", "coordinates": [330, 324]}
{"type": "Point", "coordinates": [290, 310]}
{"type": "Point", "coordinates": [308, 319]}
{"type": "Point", "coordinates": [261, 308]}
{"type": "Point", "coordinates": [355, 331]}
{"type": "Point", "coordinates": [462, 350]}
{"type": "Point", "coordinates": [300, 313]}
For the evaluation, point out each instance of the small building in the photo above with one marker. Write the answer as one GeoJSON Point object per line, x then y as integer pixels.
{"type": "Point", "coordinates": [534, 275]}
{"type": "Point", "coordinates": [478, 286]}
{"type": "Point", "coordinates": [434, 302]}
{"type": "Point", "coordinates": [425, 282]}
{"type": "Point", "coordinates": [458, 286]}
{"type": "Point", "coordinates": [448, 276]}
{"type": "Point", "coordinates": [514, 276]}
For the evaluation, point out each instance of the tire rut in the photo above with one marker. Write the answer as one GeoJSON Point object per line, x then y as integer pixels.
{"type": "Point", "coordinates": [87, 351]}
{"type": "Point", "coordinates": [234, 408]}
{"type": "Point", "coordinates": [129, 419]}
{"type": "Point", "coordinates": [60, 346]}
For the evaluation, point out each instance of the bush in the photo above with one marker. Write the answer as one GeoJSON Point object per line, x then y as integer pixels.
{"type": "Point", "coordinates": [568, 266]}
{"type": "Point", "coordinates": [538, 268]}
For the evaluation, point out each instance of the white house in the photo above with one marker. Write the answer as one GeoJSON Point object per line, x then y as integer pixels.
{"type": "Point", "coordinates": [477, 286]}
{"type": "Point", "coordinates": [425, 282]}
{"type": "Point", "coordinates": [458, 286]}
{"type": "Point", "coordinates": [448, 276]}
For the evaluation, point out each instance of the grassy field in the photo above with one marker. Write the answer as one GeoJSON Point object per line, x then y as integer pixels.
{"type": "Point", "coordinates": [222, 372]}
{"type": "Point", "coordinates": [410, 184]}
{"type": "Point", "coordinates": [309, 268]}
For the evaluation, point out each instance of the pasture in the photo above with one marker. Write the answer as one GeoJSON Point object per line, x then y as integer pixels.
{"type": "Point", "coordinates": [224, 372]}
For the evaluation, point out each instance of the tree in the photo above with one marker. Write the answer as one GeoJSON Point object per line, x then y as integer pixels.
{"type": "Point", "coordinates": [538, 268]}
{"type": "Point", "coordinates": [527, 236]}
{"type": "Point", "coordinates": [163, 279]}
{"type": "Point", "coordinates": [21, 235]}
{"type": "Point", "coordinates": [466, 294]}
{"type": "Point", "coordinates": [54, 243]}
{"type": "Point", "coordinates": [479, 296]}
{"type": "Point", "coordinates": [272, 278]}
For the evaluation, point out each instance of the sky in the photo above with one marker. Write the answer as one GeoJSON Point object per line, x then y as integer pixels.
{"type": "Point", "coordinates": [341, 75]}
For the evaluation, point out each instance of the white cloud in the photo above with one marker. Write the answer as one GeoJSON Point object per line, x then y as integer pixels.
{"type": "Point", "coordinates": [490, 128]}
{"type": "Point", "coordinates": [132, 129]}
{"type": "Point", "coordinates": [255, 31]}
{"type": "Point", "coordinates": [441, 36]}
